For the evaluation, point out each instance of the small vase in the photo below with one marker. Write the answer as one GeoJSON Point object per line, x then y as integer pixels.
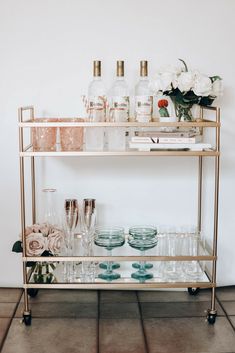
{"type": "Point", "coordinates": [43, 272]}
{"type": "Point", "coordinates": [183, 111]}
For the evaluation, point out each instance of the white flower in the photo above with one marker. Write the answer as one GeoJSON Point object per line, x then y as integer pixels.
{"type": "Point", "coordinates": [202, 86]}
{"type": "Point", "coordinates": [36, 244]}
{"type": "Point", "coordinates": [55, 241]}
{"type": "Point", "coordinates": [166, 79]}
{"type": "Point", "coordinates": [185, 81]}
{"type": "Point", "coordinates": [217, 88]}
{"type": "Point", "coordinates": [175, 70]}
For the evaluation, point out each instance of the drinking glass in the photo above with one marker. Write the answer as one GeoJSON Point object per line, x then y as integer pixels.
{"type": "Point", "coordinates": [142, 238]}
{"type": "Point", "coordinates": [109, 238]}
{"type": "Point", "coordinates": [192, 269]}
{"type": "Point", "coordinates": [49, 196]}
{"type": "Point", "coordinates": [71, 138]}
{"type": "Point", "coordinates": [44, 138]}
{"type": "Point", "coordinates": [172, 271]}
{"type": "Point", "coordinates": [71, 221]}
{"type": "Point", "coordinates": [88, 222]}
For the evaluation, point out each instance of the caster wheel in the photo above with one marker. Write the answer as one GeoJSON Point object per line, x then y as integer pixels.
{"type": "Point", "coordinates": [211, 318]}
{"type": "Point", "coordinates": [193, 291]}
{"type": "Point", "coordinates": [27, 319]}
{"type": "Point", "coordinates": [32, 292]}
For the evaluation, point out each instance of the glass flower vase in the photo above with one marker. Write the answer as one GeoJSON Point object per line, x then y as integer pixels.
{"type": "Point", "coordinates": [183, 111]}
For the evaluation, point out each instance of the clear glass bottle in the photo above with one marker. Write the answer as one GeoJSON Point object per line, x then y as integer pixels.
{"type": "Point", "coordinates": [96, 109]}
{"type": "Point", "coordinates": [119, 110]}
{"type": "Point", "coordinates": [119, 96]}
{"type": "Point", "coordinates": [143, 96]}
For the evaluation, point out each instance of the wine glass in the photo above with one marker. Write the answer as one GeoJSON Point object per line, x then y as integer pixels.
{"type": "Point", "coordinates": [71, 221]}
{"type": "Point", "coordinates": [109, 238]}
{"type": "Point", "coordinates": [88, 222]}
{"type": "Point", "coordinates": [142, 238]}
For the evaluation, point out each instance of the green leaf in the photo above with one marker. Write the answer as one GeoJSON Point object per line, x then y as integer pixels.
{"type": "Point", "coordinates": [30, 264]}
{"type": "Point", "coordinates": [215, 78]}
{"type": "Point", "coordinates": [17, 247]}
{"type": "Point", "coordinates": [205, 101]}
{"type": "Point", "coordinates": [46, 253]}
{"type": "Point", "coordinates": [185, 66]}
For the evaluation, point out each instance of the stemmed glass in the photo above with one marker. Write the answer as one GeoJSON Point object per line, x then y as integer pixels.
{"type": "Point", "coordinates": [109, 238]}
{"type": "Point", "coordinates": [88, 222]}
{"type": "Point", "coordinates": [142, 238]}
{"type": "Point", "coordinates": [71, 221]}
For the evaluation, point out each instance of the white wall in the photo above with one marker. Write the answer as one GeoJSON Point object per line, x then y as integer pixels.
{"type": "Point", "coordinates": [46, 51]}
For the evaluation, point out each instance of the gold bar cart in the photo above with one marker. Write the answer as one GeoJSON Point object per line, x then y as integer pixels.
{"type": "Point", "coordinates": [208, 255]}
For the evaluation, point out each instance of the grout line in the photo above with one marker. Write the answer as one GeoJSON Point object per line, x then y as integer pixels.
{"type": "Point", "coordinates": [225, 312]}
{"type": "Point", "coordinates": [142, 324]}
{"type": "Point", "coordinates": [9, 325]}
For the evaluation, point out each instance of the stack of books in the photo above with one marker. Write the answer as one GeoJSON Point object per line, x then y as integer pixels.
{"type": "Point", "coordinates": [187, 141]}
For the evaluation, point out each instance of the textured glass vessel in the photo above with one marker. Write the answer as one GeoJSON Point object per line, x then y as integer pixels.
{"type": "Point", "coordinates": [109, 238]}
{"type": "Point", "coordinates": [44, 138]}
{"type": "Point", "coordinates": [71, 138]}
{"type": "Point", "coordinates": [142, 238]}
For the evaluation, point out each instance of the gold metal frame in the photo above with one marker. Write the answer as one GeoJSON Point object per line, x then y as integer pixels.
{"type": "Point", "coordinates": [26, 151]}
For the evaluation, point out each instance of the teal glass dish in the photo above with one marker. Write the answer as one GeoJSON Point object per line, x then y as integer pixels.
{"type": "Point", "coordinates": [109, 238]}
{"type": "Point", "coordinates": [142, 238]}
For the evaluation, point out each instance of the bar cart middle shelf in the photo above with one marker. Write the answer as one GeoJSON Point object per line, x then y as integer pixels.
{"type": "Point", "coordinates": [206, 254]}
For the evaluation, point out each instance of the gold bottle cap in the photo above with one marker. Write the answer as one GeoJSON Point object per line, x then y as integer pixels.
{"type": "Point", "coordinates": [120, 68]}
{"type": "Point", "coordinates": [89, 205]}
{"type": "Point", "coordinates": [96, 68]}
{"type": "Point", "coordinates": [144, 68]}
{"type": "Point", "coordinates": [71, 204]}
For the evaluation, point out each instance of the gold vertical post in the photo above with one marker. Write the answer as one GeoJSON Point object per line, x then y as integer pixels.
{"type": "Point", "coordinates": [216, 208]}
{"type": "Point", "coordinates": [199, 215]}
{"type": "Point", "coordinates": [22, 207]}
{"type": "Point", "coordinates": [33, 175]}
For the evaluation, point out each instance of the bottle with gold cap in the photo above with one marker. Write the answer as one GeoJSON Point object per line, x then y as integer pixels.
{"type": "Point", "coordinates": [119, 96]}
{"type": "Point", "coordinates": [143, 96]}
{"type": "Point", "coordinates": [96, 95]}
{"type": "Point", "coordinates": [94, 136]}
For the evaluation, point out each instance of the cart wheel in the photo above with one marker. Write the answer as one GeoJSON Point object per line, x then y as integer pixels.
{"type": "Point", "coordinates": [193, 291]}
{"type": "Point", "coordinates": [32, 292]}
{"type": "Point", "coordinates": [27, 319]}
{"type": "Point", "coordinates": [211, 318]}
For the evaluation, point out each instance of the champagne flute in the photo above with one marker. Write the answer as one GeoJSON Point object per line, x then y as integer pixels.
{"type": "Point", "coordinates": [71, 221]}
{"type": "Point", "coordinates": [88, 222]}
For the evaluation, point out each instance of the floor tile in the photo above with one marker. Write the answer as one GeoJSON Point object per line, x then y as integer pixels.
{"type": "Point", "coordinates": [179, 309]}
{"type": "Point", "coordinates": [229, 307]}
{"type": "Point", "coordinates": [10, 295]}
{"type": "Point", "coordinates": [186, 335]}
{"type": "Point", "coordinates": [121, 336]}
{"type": "Point", "coordinates": [65, 295]}
{"type": "Point", "coordinates": [118, 296]}
{"type": "Point", "coordinates": [173, 296]}
{"type": "Point", "coordinates": [4, 324]}
{"type": "Point", "coordinates": [72, 310]}
{"type": "Point", "coordinates": [119, 310]}
{"type": "Point", "coordinates": [7, 309]}
{"type": "Point", "coordinates": [226, 293]}
{"type": "Point", "coordinates": [52, 335]}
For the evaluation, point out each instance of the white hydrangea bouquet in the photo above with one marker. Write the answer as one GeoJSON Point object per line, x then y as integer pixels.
{"type": "Point", "coordinates": [41, 240]}
{"type": "Point", "coordinates": [187, 87]}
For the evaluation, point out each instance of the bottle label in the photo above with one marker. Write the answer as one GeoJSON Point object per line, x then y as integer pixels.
{"type": "Point", "coordinates": [119, 108]}
{"type": "Point", "coordinates": [143, 108]}
{"type": "Point", "coordinates": [96, 108]}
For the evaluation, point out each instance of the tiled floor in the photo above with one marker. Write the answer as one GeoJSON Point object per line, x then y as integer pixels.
{"type": "Point", "coordinates": [70, 321]}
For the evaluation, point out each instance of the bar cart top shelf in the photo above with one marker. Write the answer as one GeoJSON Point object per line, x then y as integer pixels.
{"type": "Point", "coordinates": [201, 123]}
